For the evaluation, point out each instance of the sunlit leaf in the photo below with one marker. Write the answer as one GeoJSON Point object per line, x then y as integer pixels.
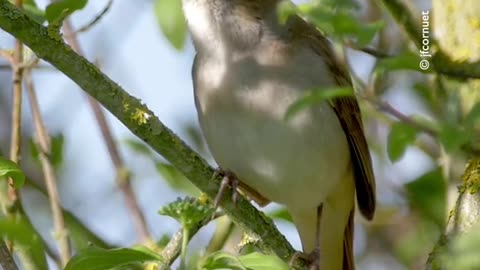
{"type": "Point", "coordinates": [9, 169]}
{"type": "Point", "coordinates": [314, 97]}
{"type": "Point", "coordinates": [55, 10]}
{"type": "Point", "coordinates": [428, 194]}
{"type": "Point", "coordinates": [400, 137]}
{"type": "Point", "coordinates": [103, 259]}
{"type": "Point", "coordinates": [171, 21]}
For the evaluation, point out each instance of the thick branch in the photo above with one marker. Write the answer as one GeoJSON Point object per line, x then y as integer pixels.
{"type": "Point", "coordinates": [140, 120]}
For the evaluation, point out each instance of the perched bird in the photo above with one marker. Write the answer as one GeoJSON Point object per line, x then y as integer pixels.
{"type": "Point", "coordinates": [249, 68]}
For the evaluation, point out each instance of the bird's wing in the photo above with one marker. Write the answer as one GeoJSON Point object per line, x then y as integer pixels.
{"type": "Point", "coordinates": [348, 113]}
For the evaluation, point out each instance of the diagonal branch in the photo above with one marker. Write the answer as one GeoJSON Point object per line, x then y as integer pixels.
{"type": "Point", "coordinates": [141, 121]}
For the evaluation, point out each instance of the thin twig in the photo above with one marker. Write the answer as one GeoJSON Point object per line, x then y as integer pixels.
{"type": "Point", "coordinates": [96, 19]}
{"type": "Point", "coordinates": [122, 175]}
{"type": "Point", "coordinates": [43, 145]}
{"type": "Point", "coordinates": [16, 130]}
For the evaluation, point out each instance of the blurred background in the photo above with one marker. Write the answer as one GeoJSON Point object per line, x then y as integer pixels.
{"type": "Point", "coordinates": [129, 46]}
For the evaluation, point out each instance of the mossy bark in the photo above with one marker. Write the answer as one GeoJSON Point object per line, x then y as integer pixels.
{"type": "Point", "coordinates": [456, 24]}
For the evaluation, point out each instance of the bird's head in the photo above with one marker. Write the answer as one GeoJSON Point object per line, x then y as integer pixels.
{"type": "Point", "coordinates": [227, 24]}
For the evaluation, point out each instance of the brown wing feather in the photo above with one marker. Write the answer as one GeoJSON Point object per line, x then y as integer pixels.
{"type": "Point", "coordinates": [348, 113]}
{"type": "Point", "coordinates": [348, 260]}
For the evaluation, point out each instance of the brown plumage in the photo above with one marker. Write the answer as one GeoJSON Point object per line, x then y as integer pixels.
{"type": "Point", "coordinates": [248, 69]}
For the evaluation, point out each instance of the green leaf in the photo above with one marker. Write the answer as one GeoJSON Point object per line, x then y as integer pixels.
{"type": "Point", "coordinates": [428, 194]}
{"type": "Point", "coordinates": [104, 259]}
{"type": "Point", "coordinates": [221, 260]}
{"type": "Point", "coordinates": [24, 235]}
{"type": "Point", "coordinates": [32, 10]}
{"type": "Point", "coordinates": [54, 11]}
{"type": "Point", "coordinates": [252, 261]}
{"type": "Point", "coordinates": [473, 117]}
{"type": "Point", "coordinates": [314, 97]}
{"type": "Point", "coordinates": [171, 21]}
{"type": "Point", "coordinates": [258, 261]}
{"type": "Point", "coordinates": [56, 151]}
{"type": "Point", "coordinates": [404, 61]}
{"type": "Point", "coordinates": [10, 169]}
{"type": "Point", "coordinates": [281, 214]}
{"type": "Point", "coordinates": [453, 137]}
{"type": "Point", "coordinates": [401, 135]}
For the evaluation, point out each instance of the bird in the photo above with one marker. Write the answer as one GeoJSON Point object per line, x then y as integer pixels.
{"type": "Point", "coordinates": [249, 68]}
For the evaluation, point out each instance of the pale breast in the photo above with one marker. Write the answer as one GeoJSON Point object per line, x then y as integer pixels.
{"type": "Point", "coordinates": [241, 107]}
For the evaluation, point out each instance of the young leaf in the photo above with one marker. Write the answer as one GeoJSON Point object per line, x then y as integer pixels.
{"type": "Point", "coordinates": [171, 21]}
{"type": "Point", "coordinates": [55, 10]}
{"type": "Point", "coordinates": [104, 259]}
{"type": "Point", "coordinates": [10, 169]}
{"type": "Point", "coordinates": [315, 97]}
{"type": "Point", "coordinates": [187, 211]}
{"type": "Point", "coordinates": [401, 135]}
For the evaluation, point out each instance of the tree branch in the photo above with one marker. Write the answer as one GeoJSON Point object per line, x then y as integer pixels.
{"type": "Point", "coordinates": [141, 121]}
{"type": "Point", "coordinates": [439, 60]}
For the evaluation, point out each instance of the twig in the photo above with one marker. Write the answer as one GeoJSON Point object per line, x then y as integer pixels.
{"type": "Point", "coordinates": [16, 129]}
{"type": "Point", "coordinates": [142, 122]}
{"type": "Point", "coordinates": [96, 19]}
{"type": "Point", "coordinates": [6, 260]}
{"type": "Point", "coordinates": [43, 145]}
{"type": "Point", "coordinates": [122, 175]}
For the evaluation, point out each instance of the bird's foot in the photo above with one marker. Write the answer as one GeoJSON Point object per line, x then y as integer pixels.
{"type": "Point", "coordinates": [313, 259]}
{"type": "Point", "coordinates": [230, 179]}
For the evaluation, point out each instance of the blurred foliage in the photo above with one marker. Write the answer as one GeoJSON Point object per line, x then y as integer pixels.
{"type": "Point", "coordinates": [9, 169]}
{"type": "Point", "coordinates": [451, 126]}
{"type": "Point", "coordinates": [171, 21]}
{"type": "Point", "coordinates": [56, 150]}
